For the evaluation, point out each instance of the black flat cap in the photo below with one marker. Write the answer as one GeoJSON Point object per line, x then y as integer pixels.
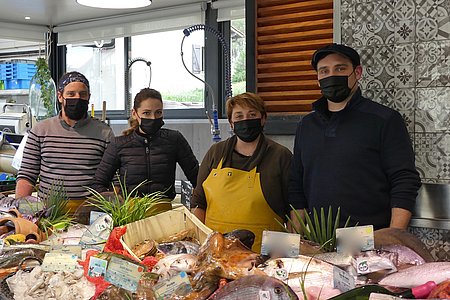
{"type": "Point", "coordinates": [335, 48]}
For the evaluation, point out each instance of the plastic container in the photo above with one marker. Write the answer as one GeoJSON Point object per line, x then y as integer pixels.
{"type": "Point", "coordinates": [13, 84]}
{"type": "Point", "coordinates": [42, 103]}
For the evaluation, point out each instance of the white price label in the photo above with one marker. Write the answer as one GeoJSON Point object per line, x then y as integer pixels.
{"type": "Point", "coordinates": [280, 244]}
{"type": "Point", "coordinates": [355, 239]}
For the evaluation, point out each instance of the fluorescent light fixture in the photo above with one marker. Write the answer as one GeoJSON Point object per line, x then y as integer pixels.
{"type": "Point", "coordinates": [115, 4]}
{"type": "Point", "coordinates": [27, 18]}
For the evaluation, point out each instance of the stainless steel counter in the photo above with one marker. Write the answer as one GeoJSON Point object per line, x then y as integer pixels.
{"type": "Point", "coordinates": [432, 207]}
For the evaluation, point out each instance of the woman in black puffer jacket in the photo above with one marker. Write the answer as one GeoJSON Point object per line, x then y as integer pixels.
{"type": "Point", "coordinates": [147, 152]}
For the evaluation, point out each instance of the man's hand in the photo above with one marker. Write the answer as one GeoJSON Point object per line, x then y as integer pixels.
{"type": "Point", "coordinates": [199, 213]}
{"type": "Point", "coordinates": [295, 228]}
{"type": "Point", "coordinates": [400, 218]}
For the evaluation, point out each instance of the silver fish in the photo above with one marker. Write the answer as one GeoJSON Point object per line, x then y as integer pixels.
{"type": "Point", "coordinates": [293, 271]}
{"type": "Point", "coordinates": [417, 275]}
{"type": "Point", "coordinates": [173, 264]}
{"type": "Point", "coordinates": [179, 248]}
{"type": "Point", "coordinates": [255, 287]}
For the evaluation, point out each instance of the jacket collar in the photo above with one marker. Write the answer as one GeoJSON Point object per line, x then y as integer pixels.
{"type": "Point", "coordinates": [321, 105]}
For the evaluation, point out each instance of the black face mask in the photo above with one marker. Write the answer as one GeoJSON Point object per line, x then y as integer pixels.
{"type": "Point", "coordinates": [248, 130]}
{"type": "Point", "coordinates": [76, 108]}
{"type": "Point", "coordinates": [335, 88]}
{"type": "Point", "coordinates": [151, 126]}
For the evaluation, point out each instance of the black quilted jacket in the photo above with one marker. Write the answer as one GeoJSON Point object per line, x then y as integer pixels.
{"type": "Point", "coordinates": [137, 157]}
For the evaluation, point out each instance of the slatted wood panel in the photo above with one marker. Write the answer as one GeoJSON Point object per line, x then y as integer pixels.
{"type": "Point", "coordinates": [287, 34]}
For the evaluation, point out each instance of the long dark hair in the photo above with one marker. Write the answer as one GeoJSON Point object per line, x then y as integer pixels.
{"type": "Point", "coordinates": [144, 94]}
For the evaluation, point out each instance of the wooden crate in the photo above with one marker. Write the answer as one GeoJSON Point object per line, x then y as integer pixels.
{"type": "Point", "coordinates": [163, 225]}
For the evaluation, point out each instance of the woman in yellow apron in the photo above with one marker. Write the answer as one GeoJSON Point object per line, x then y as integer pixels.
{"type": "Point", "coordinates": [242, 181]}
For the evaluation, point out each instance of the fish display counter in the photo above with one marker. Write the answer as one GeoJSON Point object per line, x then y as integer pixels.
{"type": "Point", "coordinates": [173, 256]}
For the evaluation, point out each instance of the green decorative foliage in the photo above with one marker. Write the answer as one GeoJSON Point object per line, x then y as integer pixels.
{"type": "Point", "coordinates": [321, 230]}
{"type": "Point", "coordinates": [43, 78]}
{"type": "Point", "coordinates": [127, 207]}
{"type": "Point", "coordinates": [55, 215]}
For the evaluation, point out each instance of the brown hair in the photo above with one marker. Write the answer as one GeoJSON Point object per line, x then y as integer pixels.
{"type": "Point", "coordinates": [144, 94]}
{"type": "Point", "coordinates": [246, 99]}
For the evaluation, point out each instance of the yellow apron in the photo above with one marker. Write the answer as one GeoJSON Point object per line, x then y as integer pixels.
{"type": "Point", "coordinates": [235, 201]}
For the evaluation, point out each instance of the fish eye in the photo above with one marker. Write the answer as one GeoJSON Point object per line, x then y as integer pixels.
{"type": "Point", "coordinates": [278, 290]}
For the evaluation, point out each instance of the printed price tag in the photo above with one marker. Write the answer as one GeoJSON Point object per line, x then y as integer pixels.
{"type": "Point", "coordinates": [68, 249]}
{"type": "Point", "coordinates": [178, 284]}
{"type": "Point", "coordinates": [57, 262]}
{"type": "Point", "coordinates": [342, 280]}
{"type": "Point", "coordinates": [124, 274]}
{"type": "Point", "coordinates": [97, 267]}
{"type": "Point", "coordinates": [355, 239]}
{"type": "Point", "coordinates": [94, 215]}
{"type": "Point", "coordinates": [280, 244]}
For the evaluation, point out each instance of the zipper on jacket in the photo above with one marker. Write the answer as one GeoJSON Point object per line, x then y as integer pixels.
{"type": "Point", "coordinates": [147, 152]}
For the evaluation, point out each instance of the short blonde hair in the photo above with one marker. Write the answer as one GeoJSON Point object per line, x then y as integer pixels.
{"type": "Point", "coordinates": [250, 100]}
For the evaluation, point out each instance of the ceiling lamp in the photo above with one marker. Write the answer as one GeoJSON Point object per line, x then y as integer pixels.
{"type": "Point", "coordinates": [115, 4]}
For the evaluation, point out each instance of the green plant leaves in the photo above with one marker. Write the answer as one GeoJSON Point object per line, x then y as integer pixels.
{"type": "Point", "coordinates": [319, 228]}
{"type": "Point", "coordinates": [126, 207]}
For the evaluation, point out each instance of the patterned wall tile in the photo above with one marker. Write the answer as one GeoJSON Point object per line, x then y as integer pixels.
{"type": "Point", "coordinates": [433, 64]}
{"type": "Point", "coordinates": [345, 3]}
{"type": "Point", "coordinates": [443, 20]}
{"type": "Point", "coordinates": [362, 24]}
{"type": "Point", "coordinates": [433, 109]}
{"type": "Point", "coordinates": [408, 117]}
{"type": "Point", "coordinates": [427, 20]}
{"type": "Point", "coordinates": [437, 241]}
{"type": "Point", "coordinates": [347, 15]}
{"type": "Point", "coordinates": [404, 65]}
{"type": "Point", "coordinates": [425, 150]}
{"type": "Point", "coordinates": [383, 24]}
{"type": "Point", "coordinates": [382, 96]}
{"type": "Point", "coordinates": [404, 99]}
{"type": "Point", "coordinates": [405, 25]}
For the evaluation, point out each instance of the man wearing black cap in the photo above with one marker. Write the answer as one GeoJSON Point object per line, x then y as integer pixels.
{"type": "Point", "coordinates": [351, 152]}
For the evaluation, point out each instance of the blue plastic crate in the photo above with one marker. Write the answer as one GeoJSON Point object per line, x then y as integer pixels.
{"type": "Point", "coordinates": [13, 84]}
{"type": "Point", "coordinates": [17, 71]}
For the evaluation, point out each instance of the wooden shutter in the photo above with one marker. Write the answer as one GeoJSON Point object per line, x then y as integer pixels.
{"type": "Point", "coordinates": [287, 34]}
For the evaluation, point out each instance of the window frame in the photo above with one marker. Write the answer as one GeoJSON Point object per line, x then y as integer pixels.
{"type": "Point", "coordinates": [214, 72]}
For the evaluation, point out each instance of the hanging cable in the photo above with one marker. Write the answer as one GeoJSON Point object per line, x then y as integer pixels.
{"type": "Point", "coordinates": [127, 77]}
{"type": "Point", "coordinates": [227, 62]}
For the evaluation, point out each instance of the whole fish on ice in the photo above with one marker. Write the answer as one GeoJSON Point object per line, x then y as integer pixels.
{"type": "Point", "coordinates": [417, 275]}
{"type": "Point", "coordinates": [294, 271]}
{"type": "Point", "coordinates": [255, 287]}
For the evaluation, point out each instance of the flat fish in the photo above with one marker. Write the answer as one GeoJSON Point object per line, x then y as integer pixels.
{"type": "Point", "coordinates": [255, 287]}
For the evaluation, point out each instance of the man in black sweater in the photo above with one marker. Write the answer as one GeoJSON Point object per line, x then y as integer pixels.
{"type": "Point", "coordinates": [351, 152]}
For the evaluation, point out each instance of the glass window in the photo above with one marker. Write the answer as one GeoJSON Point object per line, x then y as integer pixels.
{"type": "Point", "coordinates": [103, 65]}
{"type": "Point", "coordinates": [237, 44]}
{"type": "Point", "coordinates": [179, 89]}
